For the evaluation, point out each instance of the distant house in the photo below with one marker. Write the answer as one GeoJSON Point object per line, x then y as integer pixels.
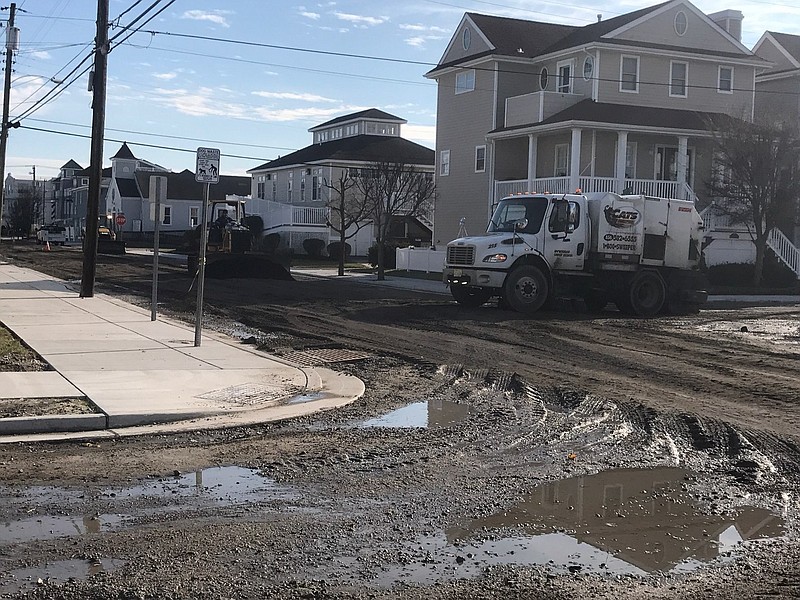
{"type": "Point", "coordinates": [618, 105]}
{"type": "Point", "coordinates": [129, 193]}
{"type": "Point", "coordinates": [13, 189]}
{"type": "Point", "coordinates": [290, 192]}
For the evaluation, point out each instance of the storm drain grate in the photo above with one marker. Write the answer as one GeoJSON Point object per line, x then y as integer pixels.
{"type": "Point", "coordinates": [319, 356]}
{"type": "Point", "coordinates": [246, 394]}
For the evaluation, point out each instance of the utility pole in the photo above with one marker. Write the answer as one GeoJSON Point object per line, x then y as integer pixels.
{"type": "Point", "coordinates": [11, 43]}
{"type": "Point", "coordinates": [96, 160]}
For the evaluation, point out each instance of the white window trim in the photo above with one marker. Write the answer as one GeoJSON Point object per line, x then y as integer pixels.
{"type": "Point", "coordinates": [632, 150]}
{"type": "Point", "coordinates": [621, 63]}
{"type": "Point", "coordinates": [164, 209]}
{"type": "Point", "coordinates": [675, 23]}
{"type": "Point", "coordinates": [719, 79]}
{"type": "Point", "coordinates": [477, 149]}
{"type": "Point", "coordinates": [685, 93]}
{"type": "Point", "coordinates": [588, 60]}
{"type": "Point", "coordinates": [556, 150]}
{"type": "Point", "coordinates": [194, 221]}
{"type": "Point", "coordinates": [565, 63]}
{"type": "Point", "coordinates": [444, 163]}
{"type": "Point", "coordinates": [466, 75]}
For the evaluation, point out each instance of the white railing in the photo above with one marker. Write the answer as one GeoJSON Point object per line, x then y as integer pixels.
{"type": "Point", "coordinates": [561, 185]}
{"type": "Point", "coordinates": [309, 216]}
{"type": "Point", "coordinates": [653, 187]}
{"type": "Point", "coordinates": [784, 249]}
{"type": "Point", "coordinates": [420, 259]}
{"type": "Point", "coordinates": [598, 184]}
{"type": "Point", "coordinates": [506, 188]}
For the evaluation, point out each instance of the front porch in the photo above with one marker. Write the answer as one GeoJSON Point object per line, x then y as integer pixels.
{"type": "Point", "coordinates": [562, 185]}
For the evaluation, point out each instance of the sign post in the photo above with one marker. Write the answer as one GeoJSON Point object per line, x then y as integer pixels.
{"type": "Point", "coordinates": [207, 172]}
{"type": "Point", "coordinates": [158, 192]}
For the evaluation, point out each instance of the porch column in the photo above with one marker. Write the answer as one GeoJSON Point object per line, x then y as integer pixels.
{"type": "Point", "coordinates": [533, 147]}
{"type": "Point", "coordinates": [490, 153]}
{"type": "Point", "coordinates": [622, 152]}
{"type": "Point", "coordinates": [575, 161]}
{"type": "Point", "coordinates": [682, 159]}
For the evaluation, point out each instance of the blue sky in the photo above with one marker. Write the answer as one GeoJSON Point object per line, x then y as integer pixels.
{"type": "Point", "coordinates": [258, 102]}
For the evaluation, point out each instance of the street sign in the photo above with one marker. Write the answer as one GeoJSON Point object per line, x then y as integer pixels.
{"type": "Point", "coordinates": [120, 220]}
{"type": "Point", "coordinates": [207, 170]}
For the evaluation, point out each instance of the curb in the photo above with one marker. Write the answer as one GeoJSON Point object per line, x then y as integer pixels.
{"type": "Point", "coordinates": [52, 424]}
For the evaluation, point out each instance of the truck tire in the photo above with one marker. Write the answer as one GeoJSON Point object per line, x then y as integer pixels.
{"type": "Point", "coordinates": [647, 293]}
{"type": "Point", "coordinates": [468, 296]}
{"type": "Point", "coordinates": [526, 289]}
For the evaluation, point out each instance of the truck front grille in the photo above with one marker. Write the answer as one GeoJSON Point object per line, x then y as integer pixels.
{"type": "Point", "coordinates": [460, 255]}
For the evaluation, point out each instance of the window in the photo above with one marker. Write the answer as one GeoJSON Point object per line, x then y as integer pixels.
{"type": "Point", "coordinates": [681, 23]}
{"type": "Point", "coordinates": [444, 163]}
{"type": "Point", "coordinates": [465, 81]}
{"type": "Point", "coordinates": [564, 215]}
{"type": "Point", "coordinates": [543, 78]}
{"type": "Point", "coordinates": [677, 79]}
{"type": "Point", "coordinates": [85, 181]}
{"type": "Point", "coordinates": [588, 68]}
{"type": "Point", "coordinates": [302, 189]}
{"type": "Point", "coordinates": [562, 160]}
{"type": "Point", "coordinates": [480, 159]}
{"type": "Point", "coordinates": [466, 38]}
{"type": "Point", "coordinates": [261, 193]}
{"type": "Point", "coordinates": [564, 84]}
{"type": "Point", "coordinates": [194, 216]}
{"type": "Point", "coordinates": [166, 218]}
{"type": "Point", "coordinates": [289, 188]}
{"type": "Point", "coordinates": [274, 191]}
{"type": "Point", "coordinates": [725, 80]}
{"type": "Point", "coordinates": [629, 74]}
{"type": "Point", "coordinates": [316, 185]}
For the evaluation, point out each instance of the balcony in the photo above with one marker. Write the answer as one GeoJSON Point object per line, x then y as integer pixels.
{"type": "Point", "coordinates": [560, 185]}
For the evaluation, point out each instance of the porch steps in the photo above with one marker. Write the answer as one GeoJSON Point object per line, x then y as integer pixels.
{"type": "Point", "coordinates": [783, 248]}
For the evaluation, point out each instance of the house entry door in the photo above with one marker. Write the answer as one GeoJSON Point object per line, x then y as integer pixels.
{"type": "Point", "coordinates": [666, 167]}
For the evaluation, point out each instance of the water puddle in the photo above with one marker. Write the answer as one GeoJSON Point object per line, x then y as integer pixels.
{"type": "Point", "coordinates": [635, 521]}
{"type": "Point", "coordinates": [58, 512]}
{"type": "Point", "coordinates": [421, 415]}
{"type": "Point", "coordinates": [23, 580]}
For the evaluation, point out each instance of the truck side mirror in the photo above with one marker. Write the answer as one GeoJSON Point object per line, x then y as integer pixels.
{"type": "Point", "coordinates": [520, 224]}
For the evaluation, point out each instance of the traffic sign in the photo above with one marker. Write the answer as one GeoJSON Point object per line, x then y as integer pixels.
{"type": "Point", "coordinates": [207, 165]}
{"type": "Point", "coordinates": [120, 219]}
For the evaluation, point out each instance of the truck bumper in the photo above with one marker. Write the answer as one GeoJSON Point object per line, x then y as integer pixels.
{"type": "Point", "coordinates": [473, 277]}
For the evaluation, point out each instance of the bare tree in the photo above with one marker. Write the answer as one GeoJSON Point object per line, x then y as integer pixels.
{"type": "Point", "coordinates": [348, 210]}
{"type": "Point", "coordinates": [22, 213]}
{"type": "Point", "coordinates": [756, 178]}
{"type": "Point", "coordinates": [393, 190]}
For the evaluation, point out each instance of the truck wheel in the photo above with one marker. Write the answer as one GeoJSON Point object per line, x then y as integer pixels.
{"type": "Point", "coordinates": [526, 289]}
{"type": "Point", "coordinates": [647, 293]}
{"type": "Point", "coordinates": [468, 296]}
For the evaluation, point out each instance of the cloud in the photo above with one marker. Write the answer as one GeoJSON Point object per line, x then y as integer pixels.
{"type": "Point", "coordinates": [423, 134]}
{"type": "Point", "coordinates": [310, 15]}
{"type": "Point", "coordinates": [215, 16]}
{"type": "Point", "coordinates": [42, 54]}
{"type": "Point", "coordinates": [422, 28]}
{"type": "Point", "coordinates": [360, 20]}
{"type": "Point", "coordinates": [293, 96]}
{"type": "Point", "coordinates": [165, 76]}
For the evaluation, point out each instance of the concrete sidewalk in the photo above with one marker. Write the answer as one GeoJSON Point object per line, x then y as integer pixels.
{"type": "Point", "coordinates": [143, 376]}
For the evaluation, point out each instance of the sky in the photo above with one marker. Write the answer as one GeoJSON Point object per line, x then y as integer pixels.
{"type": "Point", "coordinates": [250, 77]}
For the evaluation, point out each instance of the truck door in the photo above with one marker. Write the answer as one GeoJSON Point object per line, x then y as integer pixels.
{"type": "Point", "coordinates": [565, 241]}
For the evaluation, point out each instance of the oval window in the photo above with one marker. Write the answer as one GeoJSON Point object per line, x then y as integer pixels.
{"type": "Point", "coordinates": [588, 68]}
{"type": "Point", "coordinates": [465, 38]}
{"type": "Point", "coordinates": [681, 23]}
{"type": "Point", "coordinates": [543, 79]}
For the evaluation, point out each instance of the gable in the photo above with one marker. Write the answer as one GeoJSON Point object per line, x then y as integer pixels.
{"type": "Point", "coordinates": [659, 27]}
{"type": "Point", "coordinates": [467, 34]}
{"type": "Point", "coordinates": [770, 49]}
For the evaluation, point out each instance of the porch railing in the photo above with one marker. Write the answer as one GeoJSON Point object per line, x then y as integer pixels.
{"type": "Point", "coordinates": [309, 216]}
{"type": "Point", "coordinates": [561, 185]}
{"type": "Point", "coordinates": [782, 246]}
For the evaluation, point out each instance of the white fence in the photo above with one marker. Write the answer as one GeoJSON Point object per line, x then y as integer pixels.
{"type": "Point", "coordinates": [420, 259]}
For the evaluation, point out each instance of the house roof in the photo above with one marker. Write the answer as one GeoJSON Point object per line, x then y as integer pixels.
{"type": "Point", "coordinates": [509, 35]}
{"type": "Point", "coordinates": [790, 43]}
{"type": "Point", "coordinates": [124, 152]}
{"type": "Point", "coordinates": [182, 186]}
{"type": "Point", "coordinates": [370, 113]}
{"type": "Point", "coordinates": [358, 148]}
{"type": "Point", "coordinates": [71, 165]}
{"type": "Point", "coordinates": [85, 172]}
{"type": "Point", "coordinates": [128, 188]}
{"type": "Point", "coordinates": [623, 114]}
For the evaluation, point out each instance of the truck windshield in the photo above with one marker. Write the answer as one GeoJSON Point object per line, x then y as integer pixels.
{"type": "Point", "coordinates": [511, 210]}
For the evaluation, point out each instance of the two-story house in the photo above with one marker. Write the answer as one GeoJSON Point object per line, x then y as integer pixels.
{"type": "Point", "coordinates": [291, 193]}
{"type": "Point", "coordinates": [618, 105]}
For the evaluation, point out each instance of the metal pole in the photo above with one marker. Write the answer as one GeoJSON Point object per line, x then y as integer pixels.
{"type": "Point", "coordinates": [156, 231]}
{"type": "Point", "coordinates": [6, 99]}
{"type": "Point", "coordinates": [96, 159]}
{"type": "Point", "coordinates": [201, 276]}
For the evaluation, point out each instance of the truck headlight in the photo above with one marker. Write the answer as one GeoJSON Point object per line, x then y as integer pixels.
{"type": "Point", "coordinates": [495, 258]}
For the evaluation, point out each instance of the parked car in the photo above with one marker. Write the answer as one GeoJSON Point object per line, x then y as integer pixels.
{"type": "Point", "coordinates": [53, 234]}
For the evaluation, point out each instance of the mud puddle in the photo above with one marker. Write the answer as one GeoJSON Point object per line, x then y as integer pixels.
{"type": "Point", "coordinates": [626, 521]}
{"type": "Point", "coordinates": [781, 332]}
{"type": "Point", "coordinates": [27, 579]}
{"type": "Point", "coordinates": [429, 414]}
{"type": "Point", "coordinates": [58, 512]}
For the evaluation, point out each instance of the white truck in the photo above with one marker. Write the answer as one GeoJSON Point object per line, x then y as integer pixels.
{"type": "Point", "coordinates": [639, 252]}
{"type": "Point", "coordinates": [52, 234]}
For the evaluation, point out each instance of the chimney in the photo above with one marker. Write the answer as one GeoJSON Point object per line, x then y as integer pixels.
{"type": "Point", "coordinates": [599, 17]}
{"type": "Point", "coordinates": [730, 21]}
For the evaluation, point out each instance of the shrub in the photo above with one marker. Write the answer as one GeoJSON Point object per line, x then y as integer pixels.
{"type": "Point", "coordinates": [335, 250]}
{"type": "Point", "coordinates": [270, 242]}
{"type": "Point", "coordinates": [255, 224]}
{"type": "Point", "coordinates": [775, 274]}
{"type": "Point", "coordinates": [389, 255]}
{"type": "Point", "coordinates": [313, 247]}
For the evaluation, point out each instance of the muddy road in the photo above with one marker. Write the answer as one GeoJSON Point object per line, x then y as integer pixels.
{"type": "Point", "coordinates": [566, 455]}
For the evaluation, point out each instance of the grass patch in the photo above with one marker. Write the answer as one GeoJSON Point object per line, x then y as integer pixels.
{"type": "Point", "coordinates": [15, 356]}
{"type": "Point", "coordinates": [10, 346]}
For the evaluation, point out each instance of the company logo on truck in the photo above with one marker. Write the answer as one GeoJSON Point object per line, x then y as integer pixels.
{"type": "Point", "coordinates": [622, 218]}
